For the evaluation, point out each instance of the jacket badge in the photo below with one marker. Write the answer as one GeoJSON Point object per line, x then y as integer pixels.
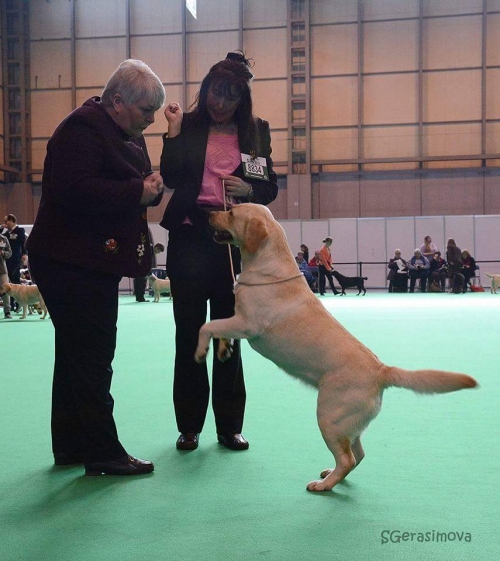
{"type": "Point", "coordinates": [141, 248]}
{"type": "Point", "coordinates": [111, 246]}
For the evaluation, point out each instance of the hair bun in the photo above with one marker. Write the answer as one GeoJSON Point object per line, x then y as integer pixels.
{"type": "Point", "coordinates": [238, 56]}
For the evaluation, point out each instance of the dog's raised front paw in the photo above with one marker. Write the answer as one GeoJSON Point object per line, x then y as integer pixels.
{"type": "Point", "coordinates": [200, 356]}
{"type": "Point", "coordinates": [225, 349]}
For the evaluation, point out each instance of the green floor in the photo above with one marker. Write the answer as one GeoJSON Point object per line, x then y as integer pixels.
{"type": "Point", "coordinates": [432, 467]}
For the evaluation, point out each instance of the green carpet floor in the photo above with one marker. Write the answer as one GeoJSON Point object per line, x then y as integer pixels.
{"type": "Point", "coordinates": [432, 467]}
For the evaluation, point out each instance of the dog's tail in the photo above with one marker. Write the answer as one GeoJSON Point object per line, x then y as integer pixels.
{"type": "Point", "coordinates": [490, 276]}
{"type": "Point", "coordinates": [427, 381]}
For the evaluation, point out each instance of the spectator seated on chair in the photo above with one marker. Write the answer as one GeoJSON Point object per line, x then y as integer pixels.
{"type": "Point", "coordinates": [468, 269]}
{"type": "Point", "coordinates": [304, 269]}
{"type": "Point", "coordinates": [398, 273]}
{"type": "Point", "coordinates": [418, 267]}
{"type": "Point", "coordinates": [438, 271]}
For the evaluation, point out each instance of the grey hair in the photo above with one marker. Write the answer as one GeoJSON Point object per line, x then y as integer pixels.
{"type": "Point", "coordinates": [135, 82]}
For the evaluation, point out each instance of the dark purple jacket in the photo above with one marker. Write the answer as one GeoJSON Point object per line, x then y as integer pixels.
{"type": "Point", "coordinates": [90, 213]}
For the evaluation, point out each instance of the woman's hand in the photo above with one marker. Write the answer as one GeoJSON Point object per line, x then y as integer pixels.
{"type": "Point", "coordinates": [235, 186]}
{"type": "Point", "coordinates": [152, 188]}
{"type": "Point", "coordinates": [173, 113]}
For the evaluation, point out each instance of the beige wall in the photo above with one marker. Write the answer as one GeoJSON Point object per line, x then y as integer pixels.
{"type": "Point", "coordinates": [364, 94]}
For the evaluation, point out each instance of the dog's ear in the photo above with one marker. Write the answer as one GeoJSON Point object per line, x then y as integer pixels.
{"type": "Point", "coordinates": [256, 233]}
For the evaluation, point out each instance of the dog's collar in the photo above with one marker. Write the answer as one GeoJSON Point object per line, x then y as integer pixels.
{"type": "Point", "coordinates": [264, 283]}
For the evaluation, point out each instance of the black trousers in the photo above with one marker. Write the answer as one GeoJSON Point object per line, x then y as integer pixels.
{"type": "Point", "coordinates": [140, 288]}
{"type": "Point", "coordinates": [83, 306]}
{"type": "Point", "coordinates": [324, 274]}
{"type": "Point", "coordinates": [200, 274]}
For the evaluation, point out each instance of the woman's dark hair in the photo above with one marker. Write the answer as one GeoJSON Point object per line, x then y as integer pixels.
{"type": "Point", "coordinates": [231, 76]}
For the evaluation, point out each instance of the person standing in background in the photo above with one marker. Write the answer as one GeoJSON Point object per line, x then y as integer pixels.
{"type": "Point", "coordinates": [92, 229]}
{"type": "Point", "coordinates": [17, 240]}
{"type": "Point", "coordinates": [214, 156]}
{"type": "Point", "coordinates": [325, 267]}
{"type": "Point", "coordinates": [5, 253]}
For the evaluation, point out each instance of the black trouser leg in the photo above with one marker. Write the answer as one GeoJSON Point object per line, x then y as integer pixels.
{"type": "Point", "coordinates": [199, 272]}
{"type": "Point", "coordinates": [83, 306]}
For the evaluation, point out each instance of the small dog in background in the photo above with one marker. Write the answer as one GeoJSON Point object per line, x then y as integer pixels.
{"type": "Point", "coordinates": [159, 286]}
{"type": "Point", "coordinates": [350, 282]}
{"type": "Point", "coordinates": [495, 282]}
{"type": "Point", "coordinates": [27, 296]}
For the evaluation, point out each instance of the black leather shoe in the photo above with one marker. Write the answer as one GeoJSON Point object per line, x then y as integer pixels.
{"type": "Point", "coordinates": [128, 465]}
{"type": "Point", "coordinates": [188, 441]}
{"type": "Point", "coordinates": [233, 441]}
{"type": "Point", "coordinates": [63, 459]}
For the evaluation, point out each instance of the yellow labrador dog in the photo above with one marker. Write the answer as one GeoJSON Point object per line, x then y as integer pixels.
{"type": "Point", "coordinates": [495, 282]}
{"type": "Point", "coordinates": [26, 295]}
{"type": "Point", "coordinates": [159, 286]}
{"type": "Point", "coordinates": [285, 322]}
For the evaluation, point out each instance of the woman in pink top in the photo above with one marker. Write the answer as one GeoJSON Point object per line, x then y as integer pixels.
{"type": "Point", "coordinates": [202, 160]}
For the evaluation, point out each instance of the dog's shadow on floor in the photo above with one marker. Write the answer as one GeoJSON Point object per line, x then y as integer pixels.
{"type": "Point", "coordinates": [334, 493]}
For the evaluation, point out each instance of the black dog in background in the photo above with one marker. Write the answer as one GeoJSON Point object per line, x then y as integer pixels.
{"type": "Point", "coordinates": [350, 282]}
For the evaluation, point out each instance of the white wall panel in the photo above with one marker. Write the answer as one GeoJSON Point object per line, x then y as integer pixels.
{"type": "Point", "coordinates": [344, 232]}
{"type": "Point", "coordinates": [50, 20]}
{"type": "Point", "coordinates": [400, 234]}
{"type": "Point", "coordinates": [156, 16]}
{"type": "Point", "coordinates": [262, 13]}
{"type": "Point", "coordinates": [258, 44]}
{"type": "Point", "coordinates": [487, 246]}
{"type": "Point", "coordinates": [162, 54]}
{"type": "Point", "coordinates": [371, 247]}
{"type": "Point", "coordinates": [205, 49]}
{"type": "Point", "coordinates": [96, 60]}
{"type": "Point", "coordinates": [391, 46]}
{"type": "Point", "coordinates": [334, 49]}
{"type": "Point", "coordinates": [293, 233]}
{"type": "Point", "coordinates": [432, 226]}
{"type": "Point", "coordinates": [313, 232]}
{"type": "Point", "coordinates": [48, 109]}
{"type": "Point", "coordinates": [461, 229]}
{"type": "Point", "coordinates": [57, 74]}
{"type": "Point", "coordinates": [95, 18]}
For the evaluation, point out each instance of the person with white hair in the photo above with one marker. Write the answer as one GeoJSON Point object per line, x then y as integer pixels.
{"type": "Point", "coordinates": [419, 268]}
{"type": "Point", "coordinates": [91, 229]}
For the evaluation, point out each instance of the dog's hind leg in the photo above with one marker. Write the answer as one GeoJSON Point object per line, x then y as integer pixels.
{"type": "Point", "coordinates": [345, 463]}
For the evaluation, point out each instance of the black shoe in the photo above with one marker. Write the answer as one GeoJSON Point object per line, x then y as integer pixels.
{"type": "Point", "coordinates": [63, 459]}
{"type": "Point", "coordinates": [141, 300]}
{"type": "Point", "coordinates": [335, 292]}
{"type": "Point", "coordinates": [188, 441]}
{"type": "Point", "coordinates": [233, 441]}
{"type": "Point", "coordinates": [8, 316]}
{"type": "Point", "coordinates": [128, 465]}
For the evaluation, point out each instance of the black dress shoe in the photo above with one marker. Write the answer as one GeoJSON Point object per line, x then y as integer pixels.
{"type": "Point", "coordinates": [128, 465]}
{"type": "Point", "coordinates": [188, 441]}
{"type": "Point", "coordinates": [63, 459]}
{"type": "Point", "coordinates": [233, 441]}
